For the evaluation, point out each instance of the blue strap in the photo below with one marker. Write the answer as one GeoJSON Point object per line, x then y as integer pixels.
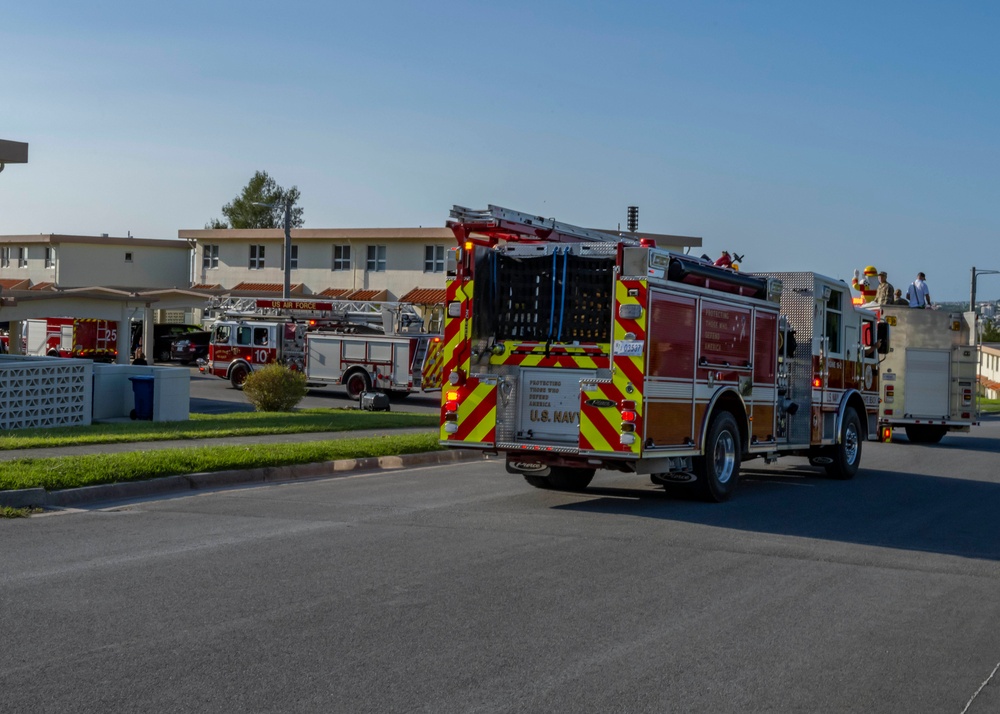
{"type": "Point", "coordinates": [562, 298]}
{"type": "Point", "coordinates": [552, 304]}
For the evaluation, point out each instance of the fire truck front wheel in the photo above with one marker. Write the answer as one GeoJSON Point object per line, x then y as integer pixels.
{"type": "Point", "coordinates": [238, 375]}
{"type": "Point", "coordinates": [846, 456]}
{"type": "Point", "coordinates": [562, 478]}
{"type": "Point", "coordinates": [719, 469]}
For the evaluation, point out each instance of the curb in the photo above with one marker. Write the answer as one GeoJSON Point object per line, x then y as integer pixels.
{"type": "Point", "coordinates": [85, 495]}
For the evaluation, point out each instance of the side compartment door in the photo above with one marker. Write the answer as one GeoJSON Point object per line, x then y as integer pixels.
{"type": "Point", "coordinates": [669, 396]}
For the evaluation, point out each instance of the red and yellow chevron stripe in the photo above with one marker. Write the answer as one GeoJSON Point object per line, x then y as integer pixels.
{"type": "Point", "coordinates": [433, 367]}
{"type": "Point", "coordinates": [600, 427]}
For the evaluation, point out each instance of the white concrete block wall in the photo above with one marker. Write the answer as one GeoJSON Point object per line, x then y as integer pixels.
{"type": "Point", "coordinates": [44, 392]}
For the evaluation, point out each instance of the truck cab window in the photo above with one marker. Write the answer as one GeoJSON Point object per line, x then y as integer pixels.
{"type": "Point", "coordinates": [221, 334]}
{"type": "Point", "coordinates": [260, 336]}
{"type": "Point", "coordinates": [243, 333]}
{"type": "Point", "coordinates": [834, 321]}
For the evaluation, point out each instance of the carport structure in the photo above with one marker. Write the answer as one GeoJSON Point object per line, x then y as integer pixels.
{"type": "Point", "coordinates": [98, 303]}
{"type": "Point", "coordinates": [12, 152]}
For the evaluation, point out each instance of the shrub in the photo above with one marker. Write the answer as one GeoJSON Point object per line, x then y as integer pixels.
{"type": "Point", "coordinates": [275, 388]}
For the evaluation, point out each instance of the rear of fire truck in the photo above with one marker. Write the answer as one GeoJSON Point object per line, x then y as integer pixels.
{"type": "Point", "coordinates": [929, 374]}
{"type": "Point", "coordinates": [528, 328]}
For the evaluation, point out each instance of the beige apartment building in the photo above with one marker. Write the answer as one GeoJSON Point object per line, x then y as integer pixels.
{"type": "Point", "coordinates": [51, 261]}
{"type": "Point", "coordinates": [360, 263]}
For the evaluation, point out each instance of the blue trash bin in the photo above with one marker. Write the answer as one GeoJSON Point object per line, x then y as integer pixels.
{"type": "Point", "coordinates": [142, 391]}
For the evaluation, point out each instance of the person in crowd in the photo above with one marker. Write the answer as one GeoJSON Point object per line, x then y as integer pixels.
{"type": "Point", "coordinates": [898, 298]}
{"type": "Point", "coordinates": [884, 292]}
{"type": "Point", "coordinates": [918, 294]}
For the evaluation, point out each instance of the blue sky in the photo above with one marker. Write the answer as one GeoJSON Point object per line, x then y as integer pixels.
{"type": "Point", "coordinates": [807, 136]}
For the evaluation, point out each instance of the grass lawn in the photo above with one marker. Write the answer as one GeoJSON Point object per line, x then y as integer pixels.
{"type": "Point", "coordinates": [74, 471]}
{"type": "Point", "coordinates": [208, 426]}
{"type": "Point", "coordinates": [989, 406]}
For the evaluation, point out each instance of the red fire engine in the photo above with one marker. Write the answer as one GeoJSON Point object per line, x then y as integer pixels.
{"type": "Point", "coordinates": [569, 350]}
{"type": "Point", "coordinates": [72, 337]}
{"type": "Point", "coordinates": [363, 346]}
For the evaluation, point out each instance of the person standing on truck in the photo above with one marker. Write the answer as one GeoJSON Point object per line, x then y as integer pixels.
{"type": "Point", "coordinates": [918, 294]}
{"type": "Point", "coordinates": [899, 299]}
{"type": "Point", "coordinates": [883, 294]}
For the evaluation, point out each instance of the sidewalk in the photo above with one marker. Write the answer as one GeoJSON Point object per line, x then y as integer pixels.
{"type": "Point", "coordinates": [102, 494]}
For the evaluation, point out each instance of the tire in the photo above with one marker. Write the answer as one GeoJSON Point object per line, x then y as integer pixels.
{"type": "Point", "coordinates": [356, 383]}
{"type": "Point", "coordinates": [718, 471]}
{"type": "Point", "coordinates": [537, 481]}
{"type": "Point", "coordinates": [562, 478]}
{"type": "Point", "coordinates": [845, 457]}
{"type": "Point", "coordinates": [238, 375]}
{"type": "Point", "coordinates": [925, 433]}
{"type": "Point", "coordinates": [164, 356]}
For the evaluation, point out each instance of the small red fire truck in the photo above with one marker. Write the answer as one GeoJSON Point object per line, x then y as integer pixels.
{"type": "Point", "coordinates": [568, 350]}
{"type": "Point", "coordinates": [72, 337]}
{"type": "Point", "coordinates": [363, 346]}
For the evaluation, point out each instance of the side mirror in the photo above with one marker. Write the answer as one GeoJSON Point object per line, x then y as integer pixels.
{"type": "Point", "coordinates": [882, 332]}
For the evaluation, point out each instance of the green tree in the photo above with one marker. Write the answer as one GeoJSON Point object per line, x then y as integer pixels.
{"type": "Point", "coordinates": [242, 213]}
{"type": "Point", "coordinates": [991, 331]}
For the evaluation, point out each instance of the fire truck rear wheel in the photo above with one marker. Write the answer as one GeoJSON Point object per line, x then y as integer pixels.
{"type": "Point", "coordinates": [925, 433]}
{"type": "Point", "coordinates": [846, 456]}
{"type": "Point", "coordinates": [562, 478]}
{"type": "Point", "coordinates": [719, 469]}
{"type": "Point", "coordinates": [356, 383]}
{"type": "Point", "coordinates": [238, 376]}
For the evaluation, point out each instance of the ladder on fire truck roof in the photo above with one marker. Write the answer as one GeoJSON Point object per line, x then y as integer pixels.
{"type": "Point", "coordinates": [390, 317]}
{"type": "Point", "coordinates": [503, 223]}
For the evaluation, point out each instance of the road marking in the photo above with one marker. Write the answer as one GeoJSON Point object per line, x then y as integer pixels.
{"type": "Point", "coordinates": [981, 687]}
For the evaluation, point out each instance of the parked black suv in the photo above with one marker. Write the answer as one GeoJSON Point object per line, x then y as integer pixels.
{"type": "Point", "coordinates": [189, 347]}
{"type": "Point", "coordinates": [163, 334]}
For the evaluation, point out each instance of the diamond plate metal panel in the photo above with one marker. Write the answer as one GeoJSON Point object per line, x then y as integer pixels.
{"type": "Point", "coordinates": [798, 305]}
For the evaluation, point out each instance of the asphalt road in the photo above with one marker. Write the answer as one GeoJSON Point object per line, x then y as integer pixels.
{"type": "Point", "coordinates": [212, 395]}
{"type": "Point", "coordinates": [462, 589]}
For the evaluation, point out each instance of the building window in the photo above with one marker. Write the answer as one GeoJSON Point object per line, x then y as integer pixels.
{"type": "Point", "coordinates": [22, 257]}
{"type": "Point", "coordinates": [341, 257]}
{"type": "Point", "coordinates": [128, 257]}
{"type": "Point", "coordinates": [50, 257]}
{"type": "Point", "coordinates": [433, 258]}
{"type": "Point", "coordinates": [5, 257]}
{"type": "Point", "coordinates": [256, 257]}
{"type": "Point", "coordinates": [376, 259]}
{"type": "Point", "coordinates": [210, 257]}
{"type": "Point", "coordinates": [293, 263]}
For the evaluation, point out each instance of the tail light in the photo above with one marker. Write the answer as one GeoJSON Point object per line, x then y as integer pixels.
{"type": "Point", "coordinates": [890, 392]}
{"type": "Point", "coordinates": [451, 412]}
{"type": "Point", "coordinates": [885, 435]}
{"type": "Point", "coordinates": [966, 397]}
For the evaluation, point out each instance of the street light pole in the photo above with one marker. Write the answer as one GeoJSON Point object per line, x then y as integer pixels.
{"type": "Point", "coordinates": [975, 276]}
{"type": "Point", "coordinates": [286, 292]}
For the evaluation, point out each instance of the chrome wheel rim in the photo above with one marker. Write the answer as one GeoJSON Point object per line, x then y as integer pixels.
{"type": "Point", "coordinates": [851, 443]}
{"type": "Point", "coordinates": [725, 457]}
